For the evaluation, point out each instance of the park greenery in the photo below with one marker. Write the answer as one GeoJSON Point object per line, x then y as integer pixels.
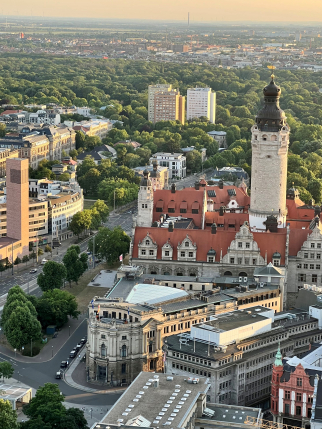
{"type": "Point", "coordinates": [117, 89]}
{"type": "Point", "coordinates": [110, 244]}
{"type": "Point", "coordinates": [8, 416]}
{"type": "Point", "coordinates": [24, 316]}
{"type": "Point", "coordinates": [6, 370]}
{"type": "Point", "coordinates": [89, 219]}
{"type": "Point", "coordinates": [46, 411]}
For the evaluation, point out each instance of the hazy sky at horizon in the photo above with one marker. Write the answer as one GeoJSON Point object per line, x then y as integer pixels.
{"type": "Point", "coordinates": [174, 10]}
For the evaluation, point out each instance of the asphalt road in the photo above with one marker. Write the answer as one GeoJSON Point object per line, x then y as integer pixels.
{"type": "Point", "coordinates": [37, 374]}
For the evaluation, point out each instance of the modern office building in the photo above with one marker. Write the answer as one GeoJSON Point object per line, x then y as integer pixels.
{"type": "Point", "coordinates": [16, 241]}
{"type": "Point", "coordinates": [201, 102]}
{"type": "Point", "coordinates": [175, 162]}
{"type": "Point", "coordinates": [169, 106]}
{"type": "Point", "coordinates": [153, 89]}
{"type": "Point", "coordinates": [153, 401]}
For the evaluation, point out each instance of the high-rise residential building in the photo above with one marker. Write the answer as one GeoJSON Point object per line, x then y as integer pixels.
{"type": "Point", "coordinates": [169, 106]}
{"type": "Point", "coordinates": [153, 89]}
{"type": "Point", "coordinates": [201, 102]}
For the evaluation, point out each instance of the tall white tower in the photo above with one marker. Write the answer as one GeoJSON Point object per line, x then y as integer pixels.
{"type": "Point", "coordinates": [145, 201]}
{"type": "Point", "coordinates": [270, 140]}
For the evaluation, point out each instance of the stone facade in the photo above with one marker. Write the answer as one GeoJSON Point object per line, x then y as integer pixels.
{"type": "Point", "coordinates": [145, 201]}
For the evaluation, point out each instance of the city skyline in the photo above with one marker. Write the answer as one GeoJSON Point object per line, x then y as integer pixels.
{"type": "Point", "coordinates": [206, 11]}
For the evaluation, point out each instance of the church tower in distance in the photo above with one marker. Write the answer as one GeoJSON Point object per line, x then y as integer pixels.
{"type": "Point", "coordinates": [145, 201]}
{"type": "Point", "coordinates": [270, 140]}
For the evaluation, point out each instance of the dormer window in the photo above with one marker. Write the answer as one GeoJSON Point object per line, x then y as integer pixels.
{"type": "Point", "coordinates": [186, 243]}
{"type": "Point", "coordinates": [147, 242]}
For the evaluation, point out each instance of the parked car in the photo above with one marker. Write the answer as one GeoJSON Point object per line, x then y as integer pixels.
{"type": "Point", "coordinates": [33, 270]}
{"type": "Point", "coordinates": [79, 345]}
{"type": "Point", "coordinates": [44, 261]}
{"type": "Point", "coordinates": [72, 354]}
{"type": "Point", "coordinates": [83, 341]}
{"type": "Point", "coordinates": [64, 364]}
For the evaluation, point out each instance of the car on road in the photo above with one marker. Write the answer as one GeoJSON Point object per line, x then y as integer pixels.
{"type": "Point", "coordinates": [58, 374]}
{"type": "Point", "coordinates": [64, 364]}
{"type": "Point", "coordinates": [79, 345]}
{"type": "Point", "coordinates": [44, 261]}
{"type": "Point", "coordinates": [72, 354]}
{"type": "Point", "coordinates": [33, 271]}
{"type": "Point", "coordinates": [83, 340]}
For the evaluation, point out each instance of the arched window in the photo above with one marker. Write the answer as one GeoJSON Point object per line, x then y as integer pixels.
{"type": "Point", "coordinates": [242, 274]}
{"type": "Point", "coordinates": [103, 351]}
{"type": "Point", "coordinates": [123, 351]}
{"type": "Point", "coordinates": [227, 273]}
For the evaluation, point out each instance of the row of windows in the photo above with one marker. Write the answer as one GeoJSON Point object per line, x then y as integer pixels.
{"type": "Point", "coordinates": [225, 385]}
{"type": "Point", "coordinates": [192, 358]}
{"type": "Point", "coordinates": [239, 261]}
{"type": "Point", "coordinates": [262, 343]}
{"type": "Point", "coordinates": [258, 371]}
{"type": "Point", "coordinates": [302, 277]}
{"type": "Point", "coordinates": [318, 245]}
{"type": "Point", "coordinates": [258, 394]}
{"type": "Point", "coordinates": [191, 370]}
{"type": "Point", "coordinates": [312, 255]}
{"type": "Point", "coordinates": [251, 386]}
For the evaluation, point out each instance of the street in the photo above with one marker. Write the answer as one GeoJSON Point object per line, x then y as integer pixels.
{"type": "Point", "coordinates": [37, 374]}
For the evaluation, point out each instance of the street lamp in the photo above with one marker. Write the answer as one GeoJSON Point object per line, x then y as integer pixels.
{"type": "Point", "coordinates": [15, 353]}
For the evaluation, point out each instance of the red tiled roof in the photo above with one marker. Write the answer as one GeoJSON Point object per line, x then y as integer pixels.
{"type": "Point", "coordinates": [213, 217]}
{"type": "Point", "coordinates": [267, 242]}
{"type": "Point", "coordinates": [174, 200]}
{"type": "Point", "coordinates": [8, 112]}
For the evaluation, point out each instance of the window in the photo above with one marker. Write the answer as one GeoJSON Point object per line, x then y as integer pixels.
{"type": "Point", "coordinates": [311, 266]}
{"type": "Point", "coordinates": [247, 245]}
{"type": "Point", "coordinates": [195, 211]}
{"type": "Point", "coordinates": [182, 254]}
{"type": "Point", "coordinates": [232, 260]}
{"type": "Point", "coordinates": [312, 255]}
{"type": "Point", "coordinates": [151, 252]}
{"type": "Point", "coordinates": [298, 410]}
{"type": "Point", "coordinates": [299, 397]}
{"type": "Point", "coordinates": [123, 337]}
{"type": "Point", "coordinates": [240, 245]}
{"type": "Point", "coordinates": [312, 245]}
{"type": "Point", "coordinates": [147, 242]}
{"type": "Point", "coordinates": [123, 351]}
{"type": "Point", "coordinates": [318, 245]}
{"type": "Point", "coordinates": [287, 394]}
{"type": "Point", "coordinates": [170, 210]}
{"type": "Point", "coordinates": [190, 254]}
{"type": "Point", "coordinates": [210, 259]}
{"type": "Point", "coordinates": [246, 261]}
{"type": "Point", "coordinates": [183, 210]}
{"type": "Point", "coordinates": [317, 266]}
{"type": "Point", "coordinates": [103, 351]}
{"type": "Point", "coordinates": [305, 266]}
{"type": "Point", "coordinates": [314, 278]}
{"type": "Point", "coordinates": [143, 252]}
{"type": "Point", "coordinates": [302, 277]}
{"type": "Point", "coordinates": [299, 265]}
{"type": "Point", "coordinates": [318, 256]}
{"type": "Point", "coordinates": [299, 382]}
{"type": "Point", "coordinates": [239, 261]}
{"type": "Point", "coordinates": [287, 408]}
{"type": "Point", "coordinates": [276, 262]}
{"type": "Point", "coordinates": [186, 243]}
{"type": "Point", "coordinates": [123, 370]}
{"type": "Point", "coordinates": [167, 253]}
{"type": "Point", "coordinates": [159, 209]}
{"type": "Point", "coordinates": [306, 255]}
{"type": "Point", "coordinates": [254, 261]}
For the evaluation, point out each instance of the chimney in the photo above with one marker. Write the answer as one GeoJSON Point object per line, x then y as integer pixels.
{"type": "Point", "coordinates": [197, 185]}
{"type": "Point", "coordinates": [173, 188]}
{"type": "Point", "coordinates": [222, 210]}
{"type": "Point", "coordinates": [221, 184]}
{"type": "Point", "coordinates": [170, 227]}
{"type": "Point", "coordinates": [214, 228]}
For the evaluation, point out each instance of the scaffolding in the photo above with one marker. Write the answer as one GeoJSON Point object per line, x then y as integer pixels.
{"type": "Point", "coordinates": [267, 424]}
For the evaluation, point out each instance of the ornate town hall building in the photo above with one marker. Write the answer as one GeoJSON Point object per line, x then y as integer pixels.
{"type": "Point", "coordinates": [219, 230]}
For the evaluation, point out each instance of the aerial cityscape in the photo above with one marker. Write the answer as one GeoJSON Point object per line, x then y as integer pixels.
{"type": "Point", "coordinates": [160, 215]}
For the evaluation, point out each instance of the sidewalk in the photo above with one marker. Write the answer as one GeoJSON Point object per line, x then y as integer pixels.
{"type": "Point", "coordinates": [47, 352]}
{"type": "Point", "coordinates": [75, 376]}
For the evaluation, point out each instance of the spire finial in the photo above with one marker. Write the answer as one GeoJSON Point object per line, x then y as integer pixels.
{"type": "Point", "coordinates": [278, 357]}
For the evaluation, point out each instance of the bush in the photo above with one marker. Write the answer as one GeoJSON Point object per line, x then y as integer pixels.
{"type": "Point", "coordinates": [47, 248]}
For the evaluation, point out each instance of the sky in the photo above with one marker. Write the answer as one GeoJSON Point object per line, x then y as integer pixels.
{"type": "Point", "coordinates": [171, 10]}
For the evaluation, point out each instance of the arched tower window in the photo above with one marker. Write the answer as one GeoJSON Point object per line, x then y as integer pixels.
{"type": "Point", "coordinates": [123, 351]}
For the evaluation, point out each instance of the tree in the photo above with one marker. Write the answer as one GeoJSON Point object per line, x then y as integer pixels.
{"type": "Point", "coordinates": [110, 244]}
{"type": "Point", "coordinates": [315, 188]}
{"type": "Point", "coordinates": [102, 209]}
{"type": "Point", "coordinates": [194, 161]}
{"type": "Point", "coordinates": [81, 221]}
{"type": "Point", "coordinates": [6, 370]}
{"type": "Point", "coordinates": [52, 277]}
{"type": "Point", "coordinates": [55, 306]}
{"type": "Point", "coordinates": [48, 248]}
{"type": "Point", "coordinates": [46, 410]}
{"type": "Point", "coordinates": [25, 259]}
{"type": "Point", "coordinates": [74, 266]}
{"type": "Point", "coordinates": [17, 261]}
{"type": "Point", "coordinates": [8, 416]}
{"type": "Point", "coordinates": [64, 177]}
{"type": "Point", "coordinates": [21, 327]}
{"type": "Point", "coordinates": [2, 130]}
{"type": "Point", "coordinates": [84, 260]}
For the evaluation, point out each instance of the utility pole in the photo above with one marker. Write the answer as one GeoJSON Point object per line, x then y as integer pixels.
{"type": "Point", "coordinates": [94, 242]}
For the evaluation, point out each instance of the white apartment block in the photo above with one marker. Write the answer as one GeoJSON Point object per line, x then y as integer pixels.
{"type": "Point", "coordinates": [48, 117]}
{"type": "Point", "coordinates": [153, 89]}
{"type": "Point", "coordinates": [201, 102]}
{"type": "Point", "coordinates": [175, 162]}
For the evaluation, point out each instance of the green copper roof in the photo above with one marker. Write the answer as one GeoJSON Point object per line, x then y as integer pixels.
{"type": "Point", "coordinates": [278, 357]}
